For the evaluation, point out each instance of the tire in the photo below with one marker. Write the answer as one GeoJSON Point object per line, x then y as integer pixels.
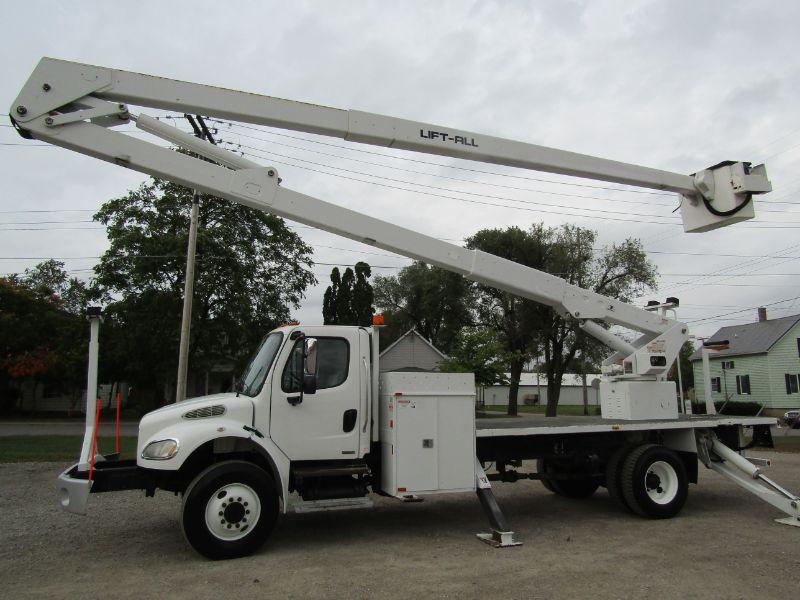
{"type": "Point", "coordinates": [614, 477]}
{"type": "Point", "coordinates": [568, 488]}
{"type": "Point", "coordinates": [218, 504]}
{"type": "Point", "coordinates": [540, 468]}
{"type": "Point", "coordinates": [654, 481]}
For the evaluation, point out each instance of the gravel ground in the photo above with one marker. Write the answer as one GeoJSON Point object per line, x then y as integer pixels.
{"type": "Point", "coordinates": [724, 545]}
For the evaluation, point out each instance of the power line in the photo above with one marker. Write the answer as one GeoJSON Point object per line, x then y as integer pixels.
{"type": "Point", "coordinates": [435, 164]}
{"type": "Point", "coordinates": [736, 312]}
{"type": "Point", "coordinates": [470, 181]}
{"type": "Point", "coordinates": [444, 189]}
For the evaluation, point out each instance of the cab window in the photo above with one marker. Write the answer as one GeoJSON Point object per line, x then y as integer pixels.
{"type": "Point", "coordinates": [333, 361]}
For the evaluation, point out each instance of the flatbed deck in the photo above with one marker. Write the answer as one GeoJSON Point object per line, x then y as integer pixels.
{"type": "Point", "coordinates": [540, 425]}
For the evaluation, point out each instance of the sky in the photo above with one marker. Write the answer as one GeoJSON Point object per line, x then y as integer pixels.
{"type": "Point", "coordinates": [679, 86]}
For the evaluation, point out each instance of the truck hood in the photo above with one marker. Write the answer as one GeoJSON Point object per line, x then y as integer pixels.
{"type": "Point", "coordinates": [171, 420]}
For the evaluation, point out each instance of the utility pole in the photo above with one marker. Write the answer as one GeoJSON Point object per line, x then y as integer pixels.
{"type": "Point", "coordinates": [202, 132]}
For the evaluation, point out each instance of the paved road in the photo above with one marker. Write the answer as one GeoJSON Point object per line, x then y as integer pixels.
{"type": "Point", "coordinates": [7, 428]}
{"type": "Point", "coordinates": [724, 545]}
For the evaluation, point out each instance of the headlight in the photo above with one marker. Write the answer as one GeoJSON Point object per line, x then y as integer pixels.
{"type": "Point", "coordinates": [160, 450]}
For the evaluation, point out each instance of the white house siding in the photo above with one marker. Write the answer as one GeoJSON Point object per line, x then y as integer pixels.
{"type": "Point", "coordinates": [754, 365]}
{"type": "Point", "coordinates": [410, 352]}
{"type": "Point", "coordinates": [570, 395]}
{"type": "Point", "coordinates": [784, 358]}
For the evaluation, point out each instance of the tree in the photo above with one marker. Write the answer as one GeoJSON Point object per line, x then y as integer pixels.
{"type": "Point", "coordinates": [506, 313]}
{"type": "Point", "coordinates": [49, 280]}
{"type": "Point", "coordinates": [363, 296]}
{"type": "Point", "coordinates": [619, 271]}
{"type": "Point", "coordinates": [687, 372]}
{"type": "Point", "coordinates": [251, 271]}
{"type": "Point", "coordinates": [40, 341]}
{"type": "Point", "coordinates": [349, 298]}
{"type": "Point", "coordinates": [478, 350]}
{"type": "Point", "coordinates": [330, 314]}
{"type": "Point", "coordinates": [435, 301]}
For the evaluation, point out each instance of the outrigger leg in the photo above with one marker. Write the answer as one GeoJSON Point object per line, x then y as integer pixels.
{"type": "Point", "coordinates": [501, 535]}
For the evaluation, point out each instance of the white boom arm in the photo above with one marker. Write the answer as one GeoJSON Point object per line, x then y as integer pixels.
{"type": "Point", "coordinates": [74, 105]}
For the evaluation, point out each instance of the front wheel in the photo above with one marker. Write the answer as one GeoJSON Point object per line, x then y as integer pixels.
{"type": "Point", "coordinates": [654, 481]}
{"type": "Point", "coordinates": [229, 510]}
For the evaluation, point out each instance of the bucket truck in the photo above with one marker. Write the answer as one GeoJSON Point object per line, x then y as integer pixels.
{"type": "Point", "coordinates": [314, 425]}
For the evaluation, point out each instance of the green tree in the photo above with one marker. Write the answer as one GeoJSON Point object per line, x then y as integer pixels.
{"type": "Point", "coordinates": [478, 350]}
{"type": "Point", "coordinates": [330, 315]}
{"type": "Point", "coordinates": [508, 314]}
{"type": "Point", "coordinates": [363, 295]}
{"type": "Point", "coordinates": [435, 301]}
{"type": "Point", "coordinates": [619, 271]}
{"type": "Point", "coordinates": [687, 372]}
{"type": "Point", "coordinates": [40, 342]}
{"type": "Point", "coordinates": [349, 298]}
{"type": "Point", "coordinates": [49, 280]}
{"type": "Point", "coordinates": [251, 271]}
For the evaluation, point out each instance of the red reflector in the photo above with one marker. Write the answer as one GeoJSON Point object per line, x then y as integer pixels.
{"type": "Point", "coordinates": [377, 319]}
{"type": "Point", "coordinates": [401, 489]}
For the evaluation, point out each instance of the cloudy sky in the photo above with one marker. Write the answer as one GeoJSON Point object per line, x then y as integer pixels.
{"type": "Point", "coordinates": [673, 85]}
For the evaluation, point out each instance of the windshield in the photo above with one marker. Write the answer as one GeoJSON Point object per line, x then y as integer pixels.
{"type": "Point", "coordinates": [253, 376]}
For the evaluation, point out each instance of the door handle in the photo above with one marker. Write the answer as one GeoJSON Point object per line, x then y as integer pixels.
{"type": "Point", "coordinates": [294, 400]}
{"type": "Point", "coordinates": [349, 420]}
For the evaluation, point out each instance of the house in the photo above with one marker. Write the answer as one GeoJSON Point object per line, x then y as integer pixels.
{"type": "Point", "coordinates": [761, 365]}
{"type": "Point", "coordinates": [411, 352]}
{"type": "Point", "coordinates": [533, 390]}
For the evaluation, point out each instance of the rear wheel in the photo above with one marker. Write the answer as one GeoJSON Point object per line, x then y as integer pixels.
{"type": "Point", "coordinates": [614, 477]}
{"type": "Point", "coordinates": [580, 487]}
{"type": "Point", "coordinates": [654, 481]}
{"type": "Point", "coordinates": [229, 510]}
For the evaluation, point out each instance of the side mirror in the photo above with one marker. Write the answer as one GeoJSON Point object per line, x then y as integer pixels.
{"type": "Point", "coordinates": [310, 365]}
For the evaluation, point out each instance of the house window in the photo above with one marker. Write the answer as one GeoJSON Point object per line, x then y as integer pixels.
{"type": "Point", "coordinates": [727, 364]}
{"type": "Point", "coordinates": [791, 383]}
{"type": "Point", "coordinates": [743, 385]}
{"type": "Point", "coordinates": [715, 384]}
{"type": "Point", "coordinates": [798, 346]}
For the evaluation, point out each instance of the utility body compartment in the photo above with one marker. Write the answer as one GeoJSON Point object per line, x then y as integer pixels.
{"type": "Point", "coordinates": [427, 432]}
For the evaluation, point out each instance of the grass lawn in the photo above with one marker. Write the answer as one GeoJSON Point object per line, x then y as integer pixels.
{"type": "Point", "coordinates": [42, 448]}
{"type": "Point", "coordinates": [539, 410]}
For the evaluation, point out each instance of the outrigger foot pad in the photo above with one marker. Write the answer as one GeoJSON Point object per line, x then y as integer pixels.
{"type": "Point", "coordinates": [499, 539]}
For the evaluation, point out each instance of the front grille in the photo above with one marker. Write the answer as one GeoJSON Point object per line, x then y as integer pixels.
{"type": "Point", "coordinates": [205, 412]}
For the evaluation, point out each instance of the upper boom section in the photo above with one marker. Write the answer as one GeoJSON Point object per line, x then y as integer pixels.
{"type": "Point", "coordinates": [711, 198]}
{"type": "Point", "coordinates": [76, 106]}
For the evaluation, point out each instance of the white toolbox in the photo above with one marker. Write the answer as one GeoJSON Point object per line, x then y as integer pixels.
{"type": "Point", "coordinates": [427, 432]}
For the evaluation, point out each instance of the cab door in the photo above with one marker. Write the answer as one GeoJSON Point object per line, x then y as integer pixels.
{"type": "Point", "coordinates": [323, 425]}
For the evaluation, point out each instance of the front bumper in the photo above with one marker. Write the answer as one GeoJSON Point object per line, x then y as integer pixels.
{"type": "Point", "coordinates": [73, 493]}
{"type": "Point", "coordinates": [73, 486]}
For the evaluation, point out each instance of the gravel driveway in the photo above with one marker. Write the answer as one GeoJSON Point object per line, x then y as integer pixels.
{"type": "Point", "coordinates": [724, 545]}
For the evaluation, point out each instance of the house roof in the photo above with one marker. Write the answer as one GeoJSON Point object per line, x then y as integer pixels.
{"type": "Point", "coordinates": [417, 334]}
{"type": "Point", "coordinates": [751, 338]}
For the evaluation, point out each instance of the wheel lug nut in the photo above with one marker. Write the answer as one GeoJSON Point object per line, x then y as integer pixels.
{"type": "Point", "coordinates": [245, 503]}
{"type": "Point", "coordinates": [247, 512]}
